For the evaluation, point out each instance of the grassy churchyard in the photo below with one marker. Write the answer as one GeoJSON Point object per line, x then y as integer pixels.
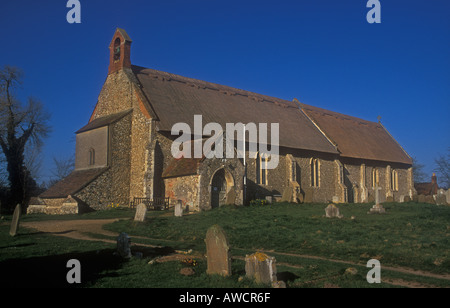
{"type": "Point", "coordinates": [411, 241]}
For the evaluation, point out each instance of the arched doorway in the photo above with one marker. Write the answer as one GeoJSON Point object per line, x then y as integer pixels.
{"type": "Point", "coordinates": [221, 183]}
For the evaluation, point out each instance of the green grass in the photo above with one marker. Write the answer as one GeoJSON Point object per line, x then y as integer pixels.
{"type": "Point", "coordinates": [410, 235]}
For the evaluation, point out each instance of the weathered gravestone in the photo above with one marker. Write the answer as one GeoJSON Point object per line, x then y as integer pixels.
{"type": "Point", "coordinates": [217, 252]}
{"type": "Point", "coordinates": [421, 199]}
{"type": "Point", "coordinates": [179, 208]}
{"type": "Point", "coordinates": [287, 195]}
{"type": "Point", "coordinates": [124, 245]}
{"type": "Point", "coordinates": [309, 195]}
{"type": "Point", "coordinates": [332, 211]}
{"type": "Point", "coordinates": [441, 199]}
{"type": "Point", "coordinates": [15, 220]}
{"type": "Point", "coordinates": [261, 267]}
{"type": "Point", "coordinates": [141, 212]}
{"type": "Point", "coordinates": [377, 208]}
{"type": "Point", "coordinates": [231, 196]}
{"type": "Point", "coordinates": [447, 194]}
{"type": "Point", "coordinates": [429, 199]}
{"type": "Point", "coordinates": [407, 199]}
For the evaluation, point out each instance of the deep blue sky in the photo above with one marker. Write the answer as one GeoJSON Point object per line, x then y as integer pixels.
{"type": "Point", "coordinates": [322, 52]}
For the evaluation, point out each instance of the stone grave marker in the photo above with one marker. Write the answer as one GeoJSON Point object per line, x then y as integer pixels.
{"type": "Point", "coordinates": [377, 208]}
{"type": "Point", "coordinates": [231, 196]}
{"type": "Point", "coordinates": [309, 195]}
{"type": "Point", "coordinates": [179, 208]}
{"type": "Point", "coordinates": [441, 199]}
{"type": "Point", "coordinates": [332, 211]}
{"type": "Point", "coordinates": [141, 212]}
{"type": "Point", "coordinates": [447, 194]}
{"type": "Point", "coordinates": [217, 252]}
{"type": "Point", "coordinates": [421, 199]}
{"type": "Point", "coordinates": [429, 199]}
{"type": "Point", "coordinates": [15, 220]}
{"type": "Point", "coordinates": [124, 245]}
{"type": "Point", "coordinates": [287, 195]}
{"type": "Point", "coordinates": [377, 195]}
{"type": "Point", "coordinates": [261, 267]}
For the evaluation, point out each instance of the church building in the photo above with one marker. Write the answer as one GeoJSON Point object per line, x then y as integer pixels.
{"type": "Point", "coordinates": [123, 154]}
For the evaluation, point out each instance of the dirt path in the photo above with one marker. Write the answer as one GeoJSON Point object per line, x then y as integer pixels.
{"type": "Point", "coordinates": [389, 268]}
{"type": "Point", "coordinates": [76, 229]}
{"type": "Point", "coordinates": [81, 230]}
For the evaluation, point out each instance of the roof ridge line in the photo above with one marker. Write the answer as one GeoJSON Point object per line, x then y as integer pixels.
{"type": "Point", "coordinates": [219, 87]}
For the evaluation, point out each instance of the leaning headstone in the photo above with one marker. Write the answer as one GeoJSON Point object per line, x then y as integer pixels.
{"type": "Point", "coordinates": [124, 245]}
{"type": "Point", "coordinates": [287, 195]}
{"type": "Point", "coordinates": [261, 267]}
{"type": "Point", "coordinates": [141, 212]}
{"type": "Point", "coordinates": [231, 196]}
{"type": "Point", "coordinates": [179, 208]}
{"type": "Point", "coordinates": [217, 252]}
{"type": "Point", "coordinates": [15, 220]}
{"type": "Point", "coordinates": [332, 211]}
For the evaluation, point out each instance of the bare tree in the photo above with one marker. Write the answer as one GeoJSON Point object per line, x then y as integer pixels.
{"type": "Point", "coordinates": [20, 124]}
{"type": "Point", "coordinates": [63, 167]}
{"type": "Point", "coordinates": [3, 172]}
{"type": "Point", "coordinates": [443, 169]}
{"type": "Point", "coordinates": [419, 174]}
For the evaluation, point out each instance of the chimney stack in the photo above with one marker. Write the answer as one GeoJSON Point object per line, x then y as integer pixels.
{"type": "Point", "coordinates": [434, 179]}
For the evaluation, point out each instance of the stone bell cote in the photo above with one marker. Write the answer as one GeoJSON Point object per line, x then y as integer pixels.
{"type": "Point", "coordinates": [119, 51]}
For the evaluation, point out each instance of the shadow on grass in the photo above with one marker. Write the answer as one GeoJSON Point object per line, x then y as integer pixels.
{"type": "Point", "coordinates": [51, 271]}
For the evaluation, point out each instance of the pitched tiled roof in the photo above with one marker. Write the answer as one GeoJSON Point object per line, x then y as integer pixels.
{"type": "Point", "coordinates": [103, 121]}
{"type": "Point", "coordinates": [73, 183]}
{"type": "Point", "coordinates": [426, 188]}
{"type": "Point", "coordinates": [182, 165]}
{"type": "Point", "coordinates": [177, 99]}
{"type": "Point", "coordinates": [357, 138]}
